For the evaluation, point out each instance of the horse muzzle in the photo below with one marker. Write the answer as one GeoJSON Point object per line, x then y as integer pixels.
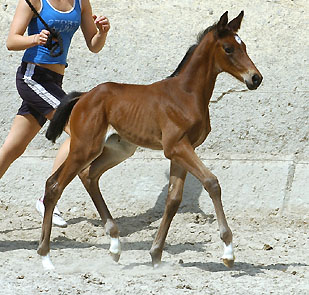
{"type": "Point", "coordinates": [254, 81]}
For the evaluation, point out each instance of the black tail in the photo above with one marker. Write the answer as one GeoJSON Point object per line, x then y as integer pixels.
{"type": "Point", "coordinates": [62, 115]}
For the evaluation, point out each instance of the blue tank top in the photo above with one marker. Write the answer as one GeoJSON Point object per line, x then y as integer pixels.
{"type": "Point", "coordinates": [66, 23]}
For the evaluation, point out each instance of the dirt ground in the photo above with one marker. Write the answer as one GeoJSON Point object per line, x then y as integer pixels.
{"type": "Point", "coordinates": [271, 247]}
{"type": "Point", "coordinates": [271, 244]}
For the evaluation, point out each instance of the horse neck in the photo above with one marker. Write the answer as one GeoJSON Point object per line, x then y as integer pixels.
{"type": "Point", "coordinates": [199, 74]}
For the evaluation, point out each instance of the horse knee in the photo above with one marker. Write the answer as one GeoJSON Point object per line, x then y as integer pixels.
{"type": "Point", "coordinates": [212, 186]}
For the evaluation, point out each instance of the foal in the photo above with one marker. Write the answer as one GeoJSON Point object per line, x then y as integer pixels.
{"type": "Point", "coordinates": [170, 115]}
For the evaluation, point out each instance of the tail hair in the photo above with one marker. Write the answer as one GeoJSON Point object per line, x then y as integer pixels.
{"type": "Point", "coordinates": [62, 115]}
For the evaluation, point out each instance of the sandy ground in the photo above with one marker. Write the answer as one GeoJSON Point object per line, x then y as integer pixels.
{"type": "Point", "coordinates": [271, 247]}
{"type": "Point", "coordinates": [147, 41]}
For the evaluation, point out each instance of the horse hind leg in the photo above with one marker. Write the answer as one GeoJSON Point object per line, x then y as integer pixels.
{"type": "Point", "coordinates": [115, 151]}
{"type": "Point", "coordinates": [55, 185]}
{"type": "Point", "coordinates": [176, 184]}
{"type": "Point", "coordinates": [80, 155]}
{"type": "Point", "coordinates": [44, 245]}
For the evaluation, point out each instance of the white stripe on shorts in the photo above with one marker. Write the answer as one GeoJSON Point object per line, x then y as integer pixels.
{"type": "Point", "coordinates": [38, 88]}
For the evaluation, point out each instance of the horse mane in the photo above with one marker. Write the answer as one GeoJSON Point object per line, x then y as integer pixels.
{"type": "Point", "coordinates": [191, 49]}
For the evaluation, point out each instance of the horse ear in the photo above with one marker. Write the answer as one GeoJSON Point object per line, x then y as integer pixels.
{"type": "Point", "coordinates": [234, 24]}
{"type": "Point", "coordinates": [222, 22]}
{"type": "Point", "coordinates": [221, 25]}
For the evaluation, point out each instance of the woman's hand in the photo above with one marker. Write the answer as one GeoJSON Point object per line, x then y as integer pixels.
{"type": "Point", "coordinates": [94, 28]}
{"type": "Point", "coordinates": [102, 23]}
{"type": "Point", "coordinates": [41, 39]}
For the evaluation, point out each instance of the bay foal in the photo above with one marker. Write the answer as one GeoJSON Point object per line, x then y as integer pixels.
{"type": "Point", "coordinates": [170, 115]}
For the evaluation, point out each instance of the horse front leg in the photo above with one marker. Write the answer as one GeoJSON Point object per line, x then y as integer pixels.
{"type": "Point", "coordinates": [184, 155]}
{"type": "Point", "coordinates": [175, 190]}
{"type": "Point", "coordinates": [115, 151]}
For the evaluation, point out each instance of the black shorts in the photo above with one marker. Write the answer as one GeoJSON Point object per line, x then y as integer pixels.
{"type": "Point", "coordinates": [40, 89]}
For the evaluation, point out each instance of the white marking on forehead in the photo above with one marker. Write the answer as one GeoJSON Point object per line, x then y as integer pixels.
{"type": "Point", "coordinates": [238, 40]}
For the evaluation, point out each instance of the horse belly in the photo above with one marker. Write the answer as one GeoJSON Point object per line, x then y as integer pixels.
{"type": "Point", "coordinates": [149, 139]}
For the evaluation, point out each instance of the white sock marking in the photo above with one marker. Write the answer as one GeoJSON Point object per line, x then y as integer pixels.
{"type": "Point", "coordinates": [228, 252]}
{"type": "Point", "coordinates": [46, 262]}
{"type": "Point", "coordinates": [115, 247]}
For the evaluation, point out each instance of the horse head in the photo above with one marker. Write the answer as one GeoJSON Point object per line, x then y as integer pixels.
{"type": "Point", "coordinates": [231, 55]}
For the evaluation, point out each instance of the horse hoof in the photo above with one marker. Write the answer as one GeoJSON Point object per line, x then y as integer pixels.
{"type": "Point", "coordinates": [156, 265]}
{"type": "Point", "coordinates": [156, 256]}
{"type": "Point", "coordinates": [228, 263]}
{"type": "Point", "coordinates": [156, 261]}
{"type": "Point", "coordinates": [228, 257]}
{"type": "Point", "coordinates": [115, 256]}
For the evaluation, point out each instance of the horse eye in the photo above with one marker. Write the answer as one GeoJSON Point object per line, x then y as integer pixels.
{"type": "Point", "coordinates": [229, 50]}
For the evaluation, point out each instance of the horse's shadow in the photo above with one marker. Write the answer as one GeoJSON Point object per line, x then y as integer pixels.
{"type": "Point", "coordinates": [242, 268]}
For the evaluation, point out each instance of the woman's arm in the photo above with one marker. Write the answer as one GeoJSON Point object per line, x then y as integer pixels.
{"type": "Point", "coordinates": [94, 28]}
{"type": "Point", "coordinates": [16, 39]}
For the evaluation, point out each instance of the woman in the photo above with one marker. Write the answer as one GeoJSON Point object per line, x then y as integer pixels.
{"type": "Point", "coordinates": [39, 78]}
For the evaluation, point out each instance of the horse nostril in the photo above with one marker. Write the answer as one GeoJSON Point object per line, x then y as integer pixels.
{"type": "Point", "coordinates": [256, 80]}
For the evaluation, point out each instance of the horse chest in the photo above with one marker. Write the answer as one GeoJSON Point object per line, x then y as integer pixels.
{"type": "Point", "coordinates": [200, 133]}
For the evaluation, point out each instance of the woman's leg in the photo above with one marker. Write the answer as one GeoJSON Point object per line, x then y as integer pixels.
{"type": "Point", "coordinates": [64, 148]}
{"type": "Point", "coordinates": [23, 130]}
{"type": "Point", "coordinates": [61, 156]}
